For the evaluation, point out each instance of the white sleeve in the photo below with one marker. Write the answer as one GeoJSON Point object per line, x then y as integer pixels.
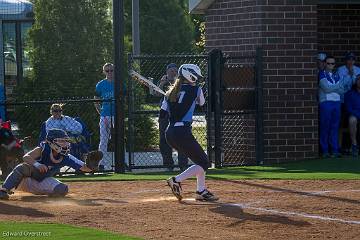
{"type": "Point", "coordinates": [200, 98]}
{"type": "Point", "coordinates": [71, 125]}
{"type": "Point", "coordinates": [164, 105]}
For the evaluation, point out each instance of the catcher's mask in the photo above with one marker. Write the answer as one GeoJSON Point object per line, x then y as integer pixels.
{"type": "Point", "coordinates": [58, 140]}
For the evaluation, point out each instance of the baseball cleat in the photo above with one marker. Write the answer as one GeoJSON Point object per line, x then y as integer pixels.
{"type": "Point", "coordinates": [205, 196]}
{"type": "Point", "coordinates": [175, 187]}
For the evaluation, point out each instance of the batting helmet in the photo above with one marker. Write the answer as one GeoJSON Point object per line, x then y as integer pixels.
{"type": "Point", "coordinates": [190, 72]}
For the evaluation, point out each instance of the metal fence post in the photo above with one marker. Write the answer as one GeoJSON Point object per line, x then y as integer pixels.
{"type": "Point", "coordinates": [210, 112]}
{"type": "Point", "coordinates": [131, 109]}
{"type": "Point", "coordinates": [19, 55]}
{"type": "Point", "coordinates": [259, 124]}
{"type": "Point", "coordinates": [215, 77]}
{"type": "Point", "coordinates": [119, 77]}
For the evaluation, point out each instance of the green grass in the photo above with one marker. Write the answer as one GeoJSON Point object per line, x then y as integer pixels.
{"type": "Point", "coordinates": [322, 169]}
{"type": "Point", "coordinates": [54, 232]}
{"type": "Point", "coordinates": [341, 169]}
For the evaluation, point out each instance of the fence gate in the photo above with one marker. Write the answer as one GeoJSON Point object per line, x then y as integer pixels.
{"type": "Point", "coordinates": [228, 127]}
{"type": "Point", "coordinates": [237, 106]}
{"type": "Point", "coordinates": [142, 130]}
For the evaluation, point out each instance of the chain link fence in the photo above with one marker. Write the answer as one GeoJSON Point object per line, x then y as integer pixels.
{"type": "Point", "coordinates": [228, 126]}
{"type": "Point", "coordinates": [30, 120]}
{"type": "Point", "coordinates": [143, 124]}
{"type": "Point", "coordinates": [239, 111]}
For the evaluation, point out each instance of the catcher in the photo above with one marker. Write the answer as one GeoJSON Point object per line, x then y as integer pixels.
{"type": "Point", "coordinates": [35, 175]}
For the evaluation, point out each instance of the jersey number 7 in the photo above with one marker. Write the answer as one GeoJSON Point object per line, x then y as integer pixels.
{"type": "Point", "coordinates": [182, 94]}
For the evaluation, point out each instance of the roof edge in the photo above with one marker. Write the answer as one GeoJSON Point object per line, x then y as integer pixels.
{"type": "Point", "coordinates": [199, 6]}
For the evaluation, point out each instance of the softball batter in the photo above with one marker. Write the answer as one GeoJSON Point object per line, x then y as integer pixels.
{"type": "Point", "coordinates": [180, 102]}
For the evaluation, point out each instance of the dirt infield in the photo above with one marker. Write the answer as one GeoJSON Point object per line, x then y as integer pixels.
{"type": "Point", "coordinates": [261, 209]}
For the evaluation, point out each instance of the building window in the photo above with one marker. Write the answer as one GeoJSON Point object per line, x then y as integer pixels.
{"type": "Point", "coordinates": [25, 27]}
{"type": "Point", "coordinates": [9, 38]}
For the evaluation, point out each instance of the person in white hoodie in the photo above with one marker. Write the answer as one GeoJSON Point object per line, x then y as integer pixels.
{"type": "Point", "coordinates": [63, 122]}
{"type": "Point", "coordinates": [330, 91]}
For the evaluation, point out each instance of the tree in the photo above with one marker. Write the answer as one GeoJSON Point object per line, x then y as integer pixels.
{"type": "Point", "coordinates": [165, 27]}
{"type": "Point", "coordinates": [69, 42]}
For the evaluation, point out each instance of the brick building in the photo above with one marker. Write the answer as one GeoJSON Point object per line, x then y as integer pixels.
{"type": "Point", "coordinates": [290, 32]}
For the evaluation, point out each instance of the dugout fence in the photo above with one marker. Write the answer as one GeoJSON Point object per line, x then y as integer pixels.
{"type": "Point", "coordinates": [228, 126]}
{"type": "Point", "coordinates": [143, 109]}
{"type": "Point", "coordinates": [236, 104]}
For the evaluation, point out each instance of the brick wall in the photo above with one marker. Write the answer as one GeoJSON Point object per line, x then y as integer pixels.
{"type": "Point", "coordinates": [234, 26]}
{"type": "Point", "coordinates": [287, 31]}
{"type": "Point", "coordinates": [339, 29]}
{"type": "Point", "coordinates": [290, 85]}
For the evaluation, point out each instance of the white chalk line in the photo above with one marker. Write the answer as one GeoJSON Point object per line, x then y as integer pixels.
{"type": "Point", "coordinates": [260, 209]}
{"type": "Point", "coordinates": [289, 213]}
{"type": "Point", "coordinates": [314, 192]}
{"type": "Point", "coordinates": [320, 192]}
{"type": "Point", "coordinates": [279, 212]}
{"type": "Point", "coordinates": [331, 191]}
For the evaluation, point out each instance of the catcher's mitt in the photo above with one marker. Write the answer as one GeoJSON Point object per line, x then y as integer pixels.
{"type": "Point", "coordinates": [92, 159]}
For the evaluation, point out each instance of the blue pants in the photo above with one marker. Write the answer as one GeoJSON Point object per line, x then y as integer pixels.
{"type": "Point", "coordinates": [166, 150]}
{"type": "Point", "coordinates": [330, 113]}
{"type": "Point", "coordinates": [185, 143]}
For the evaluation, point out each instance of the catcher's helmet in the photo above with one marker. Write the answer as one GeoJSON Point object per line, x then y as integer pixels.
{"type": "Point", "coordinates": [58, 141]}
{"type": "Point", "coordinates": [190, 72]}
